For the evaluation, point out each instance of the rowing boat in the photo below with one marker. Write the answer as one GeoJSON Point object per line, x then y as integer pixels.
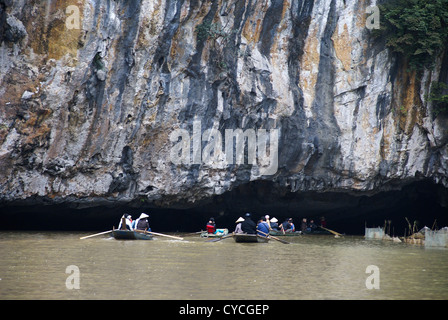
{"type": "Point", "coordinates": [131, 235]}
{"type": "Point", "coordinates": [219, 233]}
{"type": "Point", "coordinates": [244, 237]}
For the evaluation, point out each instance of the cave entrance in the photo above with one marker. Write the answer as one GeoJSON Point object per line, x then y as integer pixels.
{"type": "Point", "coordinates": [423, 202]}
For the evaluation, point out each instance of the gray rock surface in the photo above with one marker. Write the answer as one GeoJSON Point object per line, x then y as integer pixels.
{"type": "Point", "coordinates": [86, 114]}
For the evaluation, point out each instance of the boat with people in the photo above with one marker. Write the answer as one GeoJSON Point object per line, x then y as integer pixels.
{"type": "Point", "coordinates": [131, 235]}
{"type": "Point", "coordinates": [133, 230]}
{"type": "Point", "coordinates": [249, 238]}
{"type": "Point", "coordinates": [217, 234]}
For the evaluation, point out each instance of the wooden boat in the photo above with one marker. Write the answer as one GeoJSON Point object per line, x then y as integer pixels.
{"type": "Point", "coordinates": [131, 235]}
{"type": "Point", "coordinates": [298, 233]}
{"type": "Point", "coordinates": [244, 238]}
{"type": "Point", "coordinates": [286, 234]}
{"type": "Point", "coordinates": [316, 232]}
{"type": "Point", "coordinates": [205, 234]}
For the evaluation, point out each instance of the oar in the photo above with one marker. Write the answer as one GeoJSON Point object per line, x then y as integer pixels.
{"type": "Point", "coordinates": [165, 235]}
{"type": "Point", "coordinates": [192, 233]}
{"type": "Point", "coordinates": [224, 237]}
{"type": "Point", "coordinates": [160, 234]}
{"type": "Point", "coordinates": [94, 235]}
{"type": "Point", "coordinates": [333, 232]}
{"type": "Point", "coordinates": [275, 238]}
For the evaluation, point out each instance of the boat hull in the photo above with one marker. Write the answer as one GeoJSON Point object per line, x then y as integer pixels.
{"type": "Point", "coordinates": [317, 232]}
{"type": "Point", "coordinates": [131, 235]}
{"type": "Point", "coordinates": [286, 234]}
{"type": "Point", "coordinates": [299, 233]}
{"type": "Point", "coordinates": [249, 238]}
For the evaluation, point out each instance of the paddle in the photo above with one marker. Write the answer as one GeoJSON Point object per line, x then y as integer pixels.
{"type": "Point", "coordinates": [224, 237]}
{"type": "Point", "coordinates": [165, 235]}
{"type": "Point", "coordinates": [94, 235]}
{"type": "Point", "coordinates": [275, 238]}
{"type": "Point", "coordinates": [333, 232]}
{"type": "Point", "coordinates": [160, 234]}
{"type": "Point", "coordinates": [193, 233]}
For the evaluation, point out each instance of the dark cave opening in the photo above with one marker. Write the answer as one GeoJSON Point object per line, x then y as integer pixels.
{"type": "Point", "coordinates": [423, 202]}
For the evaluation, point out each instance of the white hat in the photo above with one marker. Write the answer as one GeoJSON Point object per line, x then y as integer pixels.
{"type": "Point", "coordinates": [273, 220]}
{"type": "Point", "coordinates": [239, 220]}
{"type": "Point", "coordinates": [143, 215]}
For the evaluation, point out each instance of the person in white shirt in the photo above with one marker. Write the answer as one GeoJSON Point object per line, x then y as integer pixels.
{"type": "Point", "coordinates": [128, 221]}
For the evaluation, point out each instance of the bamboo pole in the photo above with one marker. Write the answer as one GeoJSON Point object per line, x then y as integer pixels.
{"type": "Point", "coordinates": [96, 234]}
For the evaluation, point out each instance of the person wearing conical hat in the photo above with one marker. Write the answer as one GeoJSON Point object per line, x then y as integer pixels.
{"type": "Point", "coordinates": [238, 225]}
{"type": "Point", "coordinates": [274, 224]}
{"type": "Point", "coordinates": [142, 222]}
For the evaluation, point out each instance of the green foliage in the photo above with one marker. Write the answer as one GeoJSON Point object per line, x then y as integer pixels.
{"type": "Point", "coordinates": [98, 62]}
{"type": "Point", "coordinates": [214, 31]}
{"type": "Point", "coordinates": [416, 29]}
{"type": "Point", "coordinates": [439, 96]}
{"type": "Point", "coordinates": [210, 30]}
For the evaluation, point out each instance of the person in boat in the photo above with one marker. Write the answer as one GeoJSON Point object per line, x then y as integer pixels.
{"type": "Point", "coordinates": [248, 225]}
{"type": "Point", "coordinates": [274, 224]}
{"type": "Point", "coordinates": [312, 226]}
{"type": "Point", "coordinates": [263, 227]}
{"type": "Point", "coordinates": [211, 226]}
{"type": "Point", "coordinates": [288, 226]}
{"type": "Point", "coordinates": [303, 226]}
{"type": "Point", "coordinates": [142, 223]}
{"type": "Point", "coordinates": [323, 222]}
{"type": "Point", "coordinates": [267, 221]}
{"type": "Point", "coordinates": [293, 227]}
{"type": "Point", "coordinates": [238, 225]}
{"type": "Point", "coordinates": [127, 218]}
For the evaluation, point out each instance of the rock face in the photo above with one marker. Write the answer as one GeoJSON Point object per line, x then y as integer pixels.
{"type": "Point", "coordinates": [99, 98]}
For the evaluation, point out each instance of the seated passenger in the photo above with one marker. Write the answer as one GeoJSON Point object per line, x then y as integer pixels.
{"type": "Point", "coordinates": [312, 225]}
{"type": "Point", "coordinates": [127, 220]}
{"type": "Point", "coordinates": [211, 226]}
{"type": "Point", "coordinates": [248, 225]}
{"type": "Point", "coordinates": [238, 226]}
{"type": "Point", "coordinates": [288, 226]}
{"type": "Point", "coordinates": [142, 223]}
{"type": "Point", "coordinates": [263, 227]}
{"type": "Point", "coordinates": [274, 224]}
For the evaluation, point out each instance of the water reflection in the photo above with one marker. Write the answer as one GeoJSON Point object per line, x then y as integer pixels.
{"type": "Point", "coordinates": [33, 266]}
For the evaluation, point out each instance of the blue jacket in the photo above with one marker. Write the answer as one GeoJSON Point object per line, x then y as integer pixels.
{"type": "Point", "coordinates": [263, 227]}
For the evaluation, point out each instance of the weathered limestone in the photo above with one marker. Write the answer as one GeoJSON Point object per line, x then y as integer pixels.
{"type": "Point", "coordinates": [86, 113]}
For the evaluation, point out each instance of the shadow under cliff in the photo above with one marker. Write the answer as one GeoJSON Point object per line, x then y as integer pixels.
{"type": "Point", "coordinates": [424, 202]}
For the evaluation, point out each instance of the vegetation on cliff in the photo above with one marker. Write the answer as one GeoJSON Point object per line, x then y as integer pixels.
{"type": "Point", "coordinates": [416, 29]}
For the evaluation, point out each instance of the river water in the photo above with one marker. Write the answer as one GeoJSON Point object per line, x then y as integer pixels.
{"type": "Point", "coordinates": [51, 265]}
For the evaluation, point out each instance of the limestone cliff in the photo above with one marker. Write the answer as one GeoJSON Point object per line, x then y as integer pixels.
{"type": "Point", "coordinates": [92, 91]}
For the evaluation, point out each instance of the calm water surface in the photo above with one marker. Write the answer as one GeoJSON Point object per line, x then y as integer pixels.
{"type": "Point", "coordinates": [33, 266]}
